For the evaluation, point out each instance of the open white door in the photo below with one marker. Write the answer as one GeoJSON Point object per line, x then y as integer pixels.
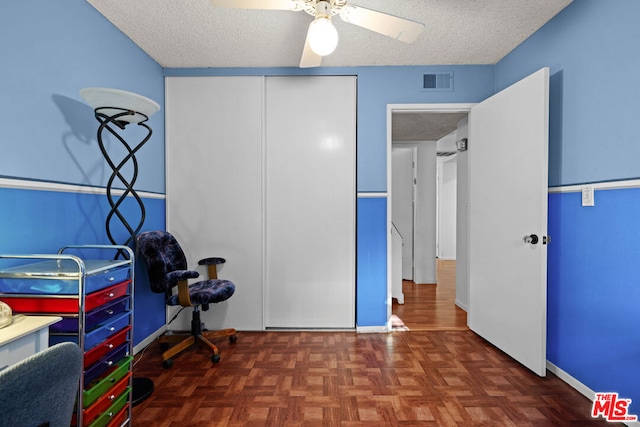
{"type": "Point", "coordinates": [508, 146]}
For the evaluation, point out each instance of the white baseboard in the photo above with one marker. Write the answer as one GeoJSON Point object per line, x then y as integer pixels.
{"type": "Point", "coordinates": [581, 388]}
{"type": "Point", "coordinates": [564, 376]}
{"type": "Point", "coordinates": [372, 329]}
{"type": "Point", "coordinates": [151, 338]}
{"type": "Point", "coordinates": [463, 306]}
{"type": "Point", "coordinates": [425, 281]}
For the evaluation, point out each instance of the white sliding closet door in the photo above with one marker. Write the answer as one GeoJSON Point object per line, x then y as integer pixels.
{"type": "Point", "coordinates": [214, 187]}
{"type": "Point", "coordinates": [310, 202]}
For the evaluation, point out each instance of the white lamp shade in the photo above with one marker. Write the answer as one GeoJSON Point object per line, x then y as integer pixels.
{"type": "Point", "coordinates": [323, 36]}
{"type": "Point", "coordinates": [113, 101]}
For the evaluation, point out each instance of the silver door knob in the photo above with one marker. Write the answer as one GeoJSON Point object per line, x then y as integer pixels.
{"type": "Point", "coordinates": [531, 239]}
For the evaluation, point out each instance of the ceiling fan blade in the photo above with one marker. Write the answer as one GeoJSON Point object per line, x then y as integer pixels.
{"type": "Point", "coordinates": [388, 25]}
{"type": "Point", "coordinates": [309, 57]}
{"type": "Point", "coordinates": [259, 4]}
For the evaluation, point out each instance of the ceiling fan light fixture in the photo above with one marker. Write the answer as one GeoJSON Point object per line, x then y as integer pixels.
{"type": "Point", "coordinates": [323, 36]}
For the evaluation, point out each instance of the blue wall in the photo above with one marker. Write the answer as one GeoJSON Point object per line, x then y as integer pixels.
{"type": "Point", "coordinates": [593, 277]}
{"type": "Point", "coordinates": [50, 50]}
{"type": "Point", "coordinates": [371, 274]}
{"type": "Point", "coordinates": [591, 50]}
{"type": "Point", "coordinates": [593, 330]}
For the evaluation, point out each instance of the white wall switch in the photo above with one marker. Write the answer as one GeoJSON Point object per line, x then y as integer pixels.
{"type": "Point", "coordinates": [587, 196]}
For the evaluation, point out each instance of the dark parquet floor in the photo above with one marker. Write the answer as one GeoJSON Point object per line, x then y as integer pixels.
{"type": "Point", "coordinates": [421, 377]}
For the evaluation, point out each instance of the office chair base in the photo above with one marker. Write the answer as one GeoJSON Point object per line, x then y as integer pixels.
{"type": "Point", "coordinates": [176, 342]}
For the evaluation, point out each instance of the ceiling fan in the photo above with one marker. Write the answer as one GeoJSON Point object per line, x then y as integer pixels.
{"type": "Point", "coordinates": [322, 37]}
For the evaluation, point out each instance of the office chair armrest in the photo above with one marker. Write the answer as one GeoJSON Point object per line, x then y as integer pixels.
{"type": "Point", "coordinates": [175, 276]}
{"type": "Point", "coordinates": [212, 260]}
{"type": "Point", "coordinates": [184, 299]}
{"type": "Point", "coordinates": [211, 264]}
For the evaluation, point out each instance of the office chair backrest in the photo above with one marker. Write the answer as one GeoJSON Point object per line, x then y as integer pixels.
{"type": "Point", "coordinates": [162, 254]}
{"type": "Point", "coordinates": [42, 389]}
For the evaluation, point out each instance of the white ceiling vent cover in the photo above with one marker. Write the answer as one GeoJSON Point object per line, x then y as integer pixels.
{"type": "Point", "coordinates": [438, 81]}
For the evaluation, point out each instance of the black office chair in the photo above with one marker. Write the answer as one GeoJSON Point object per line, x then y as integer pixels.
{"type": "Point", "coordinates": [42, 389]}
{"type": "Point", "coordinates": [167, 268]}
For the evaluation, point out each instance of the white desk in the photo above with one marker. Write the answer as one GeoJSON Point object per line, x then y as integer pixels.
{"type": "Point", "coordinates": [25, 336]}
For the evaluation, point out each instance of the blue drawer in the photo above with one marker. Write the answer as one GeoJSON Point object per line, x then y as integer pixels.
{"type": "Point", "coordinates": [57, 277]}
{"type": "Point", "coordinates": [106, 278]}
{"type": "Point", "coordinates": [98, 335]}
{"type": "Point", "coordinates": [94, 318]}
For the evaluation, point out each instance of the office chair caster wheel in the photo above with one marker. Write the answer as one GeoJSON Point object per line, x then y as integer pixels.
{"type": "Point", "coordinates": [233, 338]}
{"type": "Point", "coordinates": [166, 364]}
{"type": "Point", "coordinates": [215, 358]}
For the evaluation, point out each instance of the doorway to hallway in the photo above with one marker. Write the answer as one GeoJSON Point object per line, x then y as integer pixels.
{"type": "Point", "coordinates": [431, 307]}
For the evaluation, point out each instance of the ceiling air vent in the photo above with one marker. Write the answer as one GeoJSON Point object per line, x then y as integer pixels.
{"type": "Point", "coordinates": [438, 81]}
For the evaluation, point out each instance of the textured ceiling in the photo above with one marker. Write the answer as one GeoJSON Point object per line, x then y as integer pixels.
{"type": "Point", "coordinates": [193, 33]}
{"type": "Point", "coordinates": [415, 126]}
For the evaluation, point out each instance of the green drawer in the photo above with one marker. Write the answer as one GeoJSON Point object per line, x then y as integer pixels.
{"type": "Point", "coordinates": [113, 410]}
{"type": "Point", "coordinates": [89, 396]}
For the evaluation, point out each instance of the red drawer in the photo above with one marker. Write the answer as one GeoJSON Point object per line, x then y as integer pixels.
{"type": "Point", "coordinates": [96, 299]}
{"type": "Point", "coordinates": [104, 402]}
{"type": "Point", "coordinates": [47, 305]}
{"type": "Point", "coordinates": [101, 350]}
{"type": "Point", "coordinates": [65, 305]}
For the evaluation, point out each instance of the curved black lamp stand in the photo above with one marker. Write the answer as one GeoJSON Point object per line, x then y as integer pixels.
{"type": "Point", "coordinates": [142, 387]}
{"type": "Point", "coordinates": [105, 122]}
{"type": "Point", "coordinates": [126, 108]}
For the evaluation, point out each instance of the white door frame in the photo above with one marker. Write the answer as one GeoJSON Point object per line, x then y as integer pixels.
{"type": "Point", "coordinates": [408, 108]}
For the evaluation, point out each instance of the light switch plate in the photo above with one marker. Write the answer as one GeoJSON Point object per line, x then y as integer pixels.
{"type": "Point", "coordinates": [587, 196]}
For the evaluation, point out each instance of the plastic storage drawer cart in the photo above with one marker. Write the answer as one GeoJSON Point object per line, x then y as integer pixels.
{"type": "Point", "coordinates": [94, 297]}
